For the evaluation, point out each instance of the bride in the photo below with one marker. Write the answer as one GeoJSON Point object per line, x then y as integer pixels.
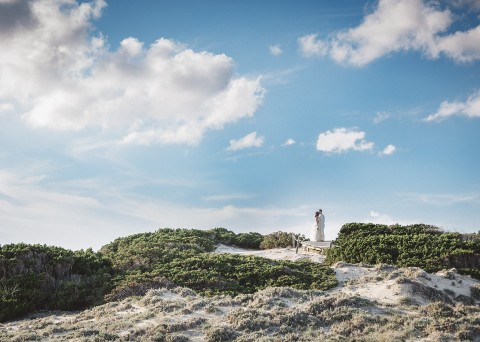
{"type": "Point", "coordinates": [318, 227]}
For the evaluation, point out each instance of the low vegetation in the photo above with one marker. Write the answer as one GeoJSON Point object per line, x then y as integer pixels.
{"type": "Point", "coordinates": [40, 277]}
{"type": "Point", "coordinates": [183, 257]}
{"type": "Point", "coordinates": [34, 277]}
{"type": "Point", "coordinates": [417, 245]}
{"type": "Point", "coordinates": [273, 314]}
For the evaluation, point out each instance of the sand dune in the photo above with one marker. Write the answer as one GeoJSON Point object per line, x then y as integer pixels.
{"type": "Point", "coordinates": [370, 303]}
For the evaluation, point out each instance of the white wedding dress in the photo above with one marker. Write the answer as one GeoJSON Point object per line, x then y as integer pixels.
{"type": "Point", "coordinates": [318, 228]}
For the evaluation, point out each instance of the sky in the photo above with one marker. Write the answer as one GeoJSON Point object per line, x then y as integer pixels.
{"type": "Point", "coordinates": [129, 116]}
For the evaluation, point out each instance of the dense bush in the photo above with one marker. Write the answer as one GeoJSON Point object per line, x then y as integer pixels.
{"type": "Point", "coordinates": [182, 256]}
{"type": "Point", "coordinates": [142, 251]}
{"type": "Point", "coordinates": [415, 245]}
{"type": "Point", "coordinates": [210, 273]}
{"type": "Point", "coordinates": [243, 240]}
{"type": "Point", "coordinates": [278, 240]}
{"type": "Point", "coordinates": [471, 236]}
{"type": "Point", "coordinates": [36, 277]}
{"type": "Point", "coordinates": [248, 240]}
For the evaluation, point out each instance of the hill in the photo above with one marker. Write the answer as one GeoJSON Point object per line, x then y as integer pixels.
{"type": "Point", "coordinates": [381, 303]}
{"type": "Point", "coordinates": [36, 277]}
{"type": "Point", "coordinates": [180, 285]}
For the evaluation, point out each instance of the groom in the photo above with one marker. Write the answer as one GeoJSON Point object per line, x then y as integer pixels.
{"type": "Point", "coordinates": [320, 236]}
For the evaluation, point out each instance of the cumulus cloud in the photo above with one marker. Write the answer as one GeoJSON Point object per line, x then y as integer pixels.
{"type": "Point", "coordinates": [388, 150]}
{"type": "Point", "coordinates": [250, 140]}
{"type": "Point", "coordinates": [6, 107]}
{"type": "Point", "coordinates": [473, 5]}
{"type": "Point", "coordinates": [469, 108]}
{"type": "Point", "coordinates": [289, 142]}
{"type": "Point", "coordinates": [341, 140]}
{"type": "Point", "coordinates": [395, 26]}
{"type": "Point", "coordinates": [275, 50]}
{"type": "Point", "coordinates": [14, 14]}
{"type": "Point", "coordinates": [162, 93]}
{"type": "Point", "coordinates": [310, 46]}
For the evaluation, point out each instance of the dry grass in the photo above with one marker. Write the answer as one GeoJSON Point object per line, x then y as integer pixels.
{"type": "Point", "coordinates": [274, 314]}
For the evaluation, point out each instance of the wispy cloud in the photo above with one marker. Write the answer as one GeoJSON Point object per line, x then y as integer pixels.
{"type": "Point", "coordinates": [164, 93]}
{"type": "Point", "coordinates": [443, 199]}
{"type": "Point", "coordinates": [227, 197]}
{"type": "Point", "coordinates": [275, 50]}
{"type": "Point", "coordinates": [341, 140]}
{"type": "Point", "coordinates": [469, 108]}
{"type": "Point", "coordinates": [32, 211]}
{"type": "Point", "coordinates": [283, 76]}
{"type": "Point", "coordinates": [248, 141]}
{"type": "Point", "coordinates": [380, 117]}
{"type": "Point", "coordinates": [396, 26]}
{"type": "Point", "coordinates": [289, 142]}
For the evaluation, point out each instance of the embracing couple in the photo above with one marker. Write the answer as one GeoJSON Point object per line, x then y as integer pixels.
{"type": "Point", "coordinates": [319, 226]}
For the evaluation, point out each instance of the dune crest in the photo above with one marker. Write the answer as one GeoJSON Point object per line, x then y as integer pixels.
{"type": "Point", "coordinates": [370, 302]}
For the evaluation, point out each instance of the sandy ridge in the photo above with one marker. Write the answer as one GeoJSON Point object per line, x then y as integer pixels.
{"type": "Point", "coordinates": [370, 303]}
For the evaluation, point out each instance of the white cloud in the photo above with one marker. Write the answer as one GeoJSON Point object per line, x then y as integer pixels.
{"type": "Point", "coordinates": [289, 142]}
{"type": "Point", "coordinates": [470, 108]}
{"type": "Point", "coordinates": [388, 150]}
{"type": "Point", "coordinates": [250, 140]}
{"type": "Point", "coordinates": [461, 46]}
{"type": "Point", "coordinates": [275, 50]}
{"type": "Point", "coordinates": [380, 117]}
{"type": "Point", "coordinates": [378, 218]}
{"type": "Point", "coordinates": [310, 46]}
{"type": "Point", "coordinates": [382, 218]}
{"type": "Point", "coordinates": [342, 139]}
{"type": "Point", "coordinates": [395, 26]}
{"type": "Point", "coordinates": [6, 107]}
{"type": "Point", "coordinates": [162, 93]}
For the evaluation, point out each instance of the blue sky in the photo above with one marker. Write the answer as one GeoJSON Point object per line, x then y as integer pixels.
{"type": "Point", "coordinates": [124, 117]}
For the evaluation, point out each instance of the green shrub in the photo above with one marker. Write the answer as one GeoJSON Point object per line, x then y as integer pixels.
{"type": "Point", "coordinates": [35, 277]}
{"type": "Point", "coordinates": [222, 235]}
{"type": "Point", "coordinates": [141, 258]}
{"type": "Point", "coordinates": [45, 277]}
{"type": "Point", "coordinates": [243, 240]}
{"type": "Point", "coordinates": [210, 274]}
{"type": "Point", "coordinates": [277, 240]}
{"type": "Point", "coordinates": [415, 245]}
{"type": "Point", "coordinates": [19, 295]}
{"type": "Point", "coordinates": [142, 251]}
{"type": "Point", "coordinates": [248, 240]}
